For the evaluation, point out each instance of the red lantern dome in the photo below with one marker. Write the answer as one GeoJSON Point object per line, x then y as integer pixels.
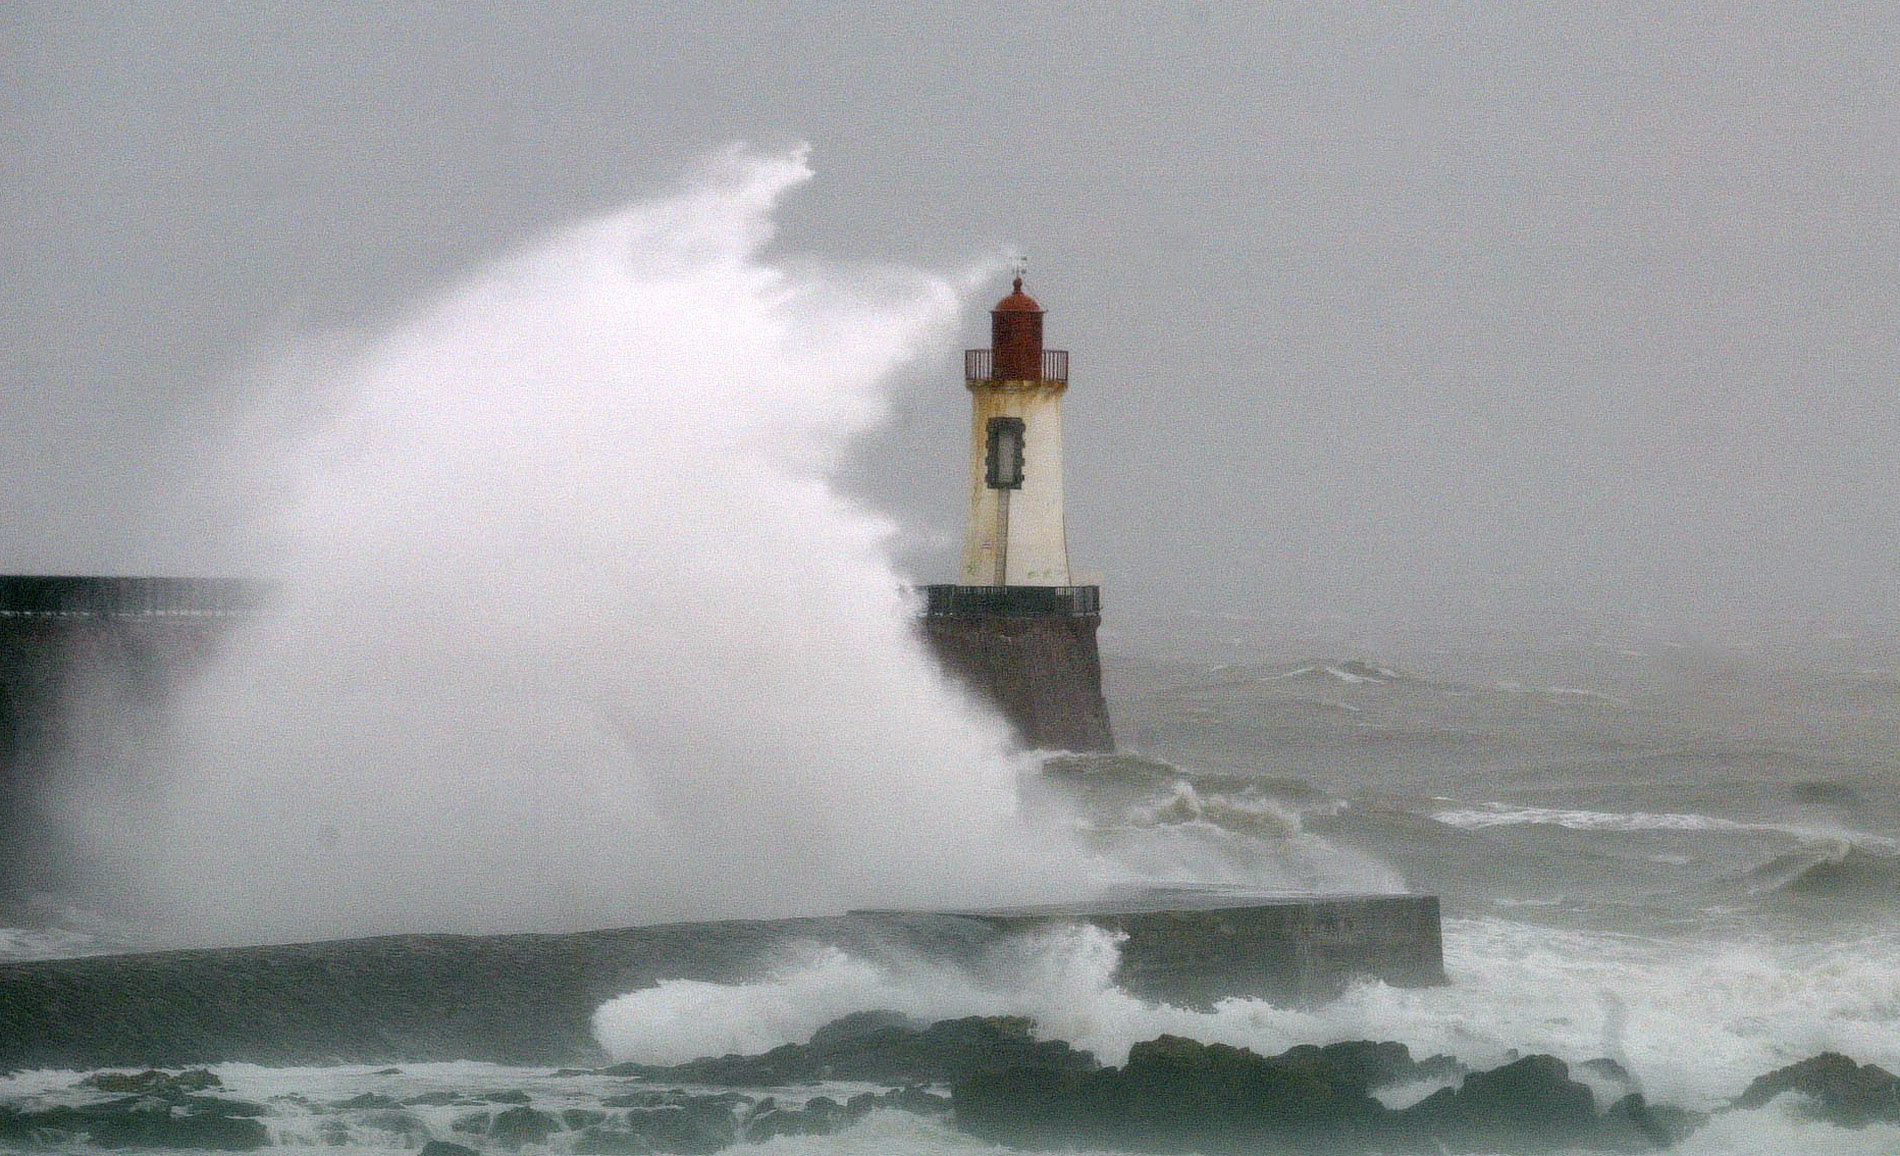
{"type": "Point", "coordinates": [1016, 337]}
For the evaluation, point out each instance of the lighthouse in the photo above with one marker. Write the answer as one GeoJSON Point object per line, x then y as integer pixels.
{"type": "Point", "coordinates": [1016, 535]}
{"type": "Point", "coordinates": [1015, 627]}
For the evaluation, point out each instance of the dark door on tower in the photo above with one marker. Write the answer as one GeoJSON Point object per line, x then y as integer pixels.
{"type": "Point", "coordinates": [1004, 462]}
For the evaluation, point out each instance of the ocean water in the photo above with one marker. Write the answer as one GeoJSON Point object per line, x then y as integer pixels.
{"type": "Point", "coordinates": [1695, 876]}
{"type": "Point", "coordinates": [1677, 852]}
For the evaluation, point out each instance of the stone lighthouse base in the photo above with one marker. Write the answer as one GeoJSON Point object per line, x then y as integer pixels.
{"type": "Point", "coordinates": [1030, 650]}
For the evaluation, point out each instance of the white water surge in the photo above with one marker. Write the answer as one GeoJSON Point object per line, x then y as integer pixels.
{"type": "Point", "coordinates": [570, 628]}
{"type": "Point", "coordinates": [1692, 1022]}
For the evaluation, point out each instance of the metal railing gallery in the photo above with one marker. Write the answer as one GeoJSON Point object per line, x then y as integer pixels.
{"type": "Point", "coordinates": [979, 365]}
{"type": "Point", "coordinates": [1013, 601]}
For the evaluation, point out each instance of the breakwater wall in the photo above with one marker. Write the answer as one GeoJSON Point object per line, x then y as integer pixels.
{"type": "Point", "coordinates": [529, 999]}
{"type": "Point", "coordinates": [86, 666]}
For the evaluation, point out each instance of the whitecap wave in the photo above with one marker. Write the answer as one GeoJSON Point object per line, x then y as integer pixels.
{"type": "Point", "coordinates": [1058, 977]}
{"type": "Point", "coordinates": [1489, 815]}
{"type": "Point", "coordinates": [1503, 815]}
{"type": "Point", "coordinates": [23, 943]}
{"type": "Point", "coordinates": [1155, 823]}
{"type": "Point", "coordinates": [1352, 672]}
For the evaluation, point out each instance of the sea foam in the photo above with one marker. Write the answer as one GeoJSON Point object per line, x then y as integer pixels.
{"type": "Point", "coordinates": [1693, 1022]}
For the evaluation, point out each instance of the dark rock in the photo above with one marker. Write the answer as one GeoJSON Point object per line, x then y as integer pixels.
{"type": "Point", "coordinates": [387, 1072]}
{"type": "Point", "coordinates": [1836, 1089]}
{"type": "Point", "coordinates": [396, 1121]}
{"type": "Point", "coordinates": [368, 1100]}
{"type": "Point", "coordinates": [848, 1030]}
{"type": "Point", "coordinates": [914, 1099]}
{"type": "Point", "coordinates": [159, 1121]}
{"type": "Point", "coordinates": [1529, 1102]}
{"type": "Point", "coordinates": [877, 1048]}
{"type": "Point", "coordinates": [224, 1107]}
{"type": "Point", "coordinates": [603, 1142]}
{"type": "Point", "coordinates": [699, 1126]}
{"type": "Point", "coordinates": [512, 1096]}
{"type": "Point", "coordinates": [518, 1126]}
{"type": "Point", "coordinates": [1179, 1095]}
{"type": "Point", "coordinates": [1363, 1065]}
{"type": "Point", "coordinates": [1035, 1107]}
{"type": "Point", "coordinates": [474, 1123]}
{"type": "Point", "coordinates": [153, 1083]}
{"type": "Point", "coordinates": [436, 1099]}
{"type": "Point", "coordinates": [767, 1119]}
{"type": "Point", "coordinates": [578, 1118]}
{"type": "Point", "coordinates": [444, 1148]}
{"type": "Point", "coordinates": [1632, 1125]}
{"type": "Point", "coordinates": [563, 1073]}
{"type": "Point", "coordinates": [1209, 1093]}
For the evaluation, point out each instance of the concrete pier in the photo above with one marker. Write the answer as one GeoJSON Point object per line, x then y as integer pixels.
{"type": "Point", "coordinates": [86, 667]}
{"type": "Point", "coordinates": [529, 999]}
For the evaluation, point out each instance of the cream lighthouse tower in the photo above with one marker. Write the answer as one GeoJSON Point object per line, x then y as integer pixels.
{"type": "Point", "coordinates": [1014, 627]}
{"type": "Point", "coordinates": [1015, 535]}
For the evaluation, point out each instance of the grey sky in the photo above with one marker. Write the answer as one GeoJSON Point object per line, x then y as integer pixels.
{"type": "Point", "coordinates": [1439, 315]}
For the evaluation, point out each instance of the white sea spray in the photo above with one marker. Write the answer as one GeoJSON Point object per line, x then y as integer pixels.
{"type": "Point", "coordinates": [570, 628]}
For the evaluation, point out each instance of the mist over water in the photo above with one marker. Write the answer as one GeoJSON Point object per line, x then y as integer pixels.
{"type": "Point", "coordinates": [571, 629]}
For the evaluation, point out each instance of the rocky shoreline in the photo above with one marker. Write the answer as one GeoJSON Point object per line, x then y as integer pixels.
{"type": "Point", "coordinates": [1003, 1085]}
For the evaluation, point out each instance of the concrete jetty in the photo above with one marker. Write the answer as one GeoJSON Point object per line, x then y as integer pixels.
{"type": "Point", "coordinates": [529, 999]}
{"type": "Point", "coordinates": [87, 664]}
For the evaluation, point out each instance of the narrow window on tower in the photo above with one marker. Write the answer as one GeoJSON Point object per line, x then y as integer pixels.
{"type": "Point", "coordinates": [1005, 461]}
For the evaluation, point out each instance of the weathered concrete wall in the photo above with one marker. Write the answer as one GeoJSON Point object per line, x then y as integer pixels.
{"type": "Point", "coordinates": [1043, 673]}
{"type": "Point", "coordinates": [530, 998]}
{"type": "Point", "coordinates": [1289, 950]}
{"type": "Point", "coordinates": [86, 666]}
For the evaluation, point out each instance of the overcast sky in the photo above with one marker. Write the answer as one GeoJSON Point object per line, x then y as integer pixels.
{"type": "Point", "coordinates": [1433, 314]}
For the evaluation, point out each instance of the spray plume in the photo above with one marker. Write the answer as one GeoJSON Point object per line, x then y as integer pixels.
{"type": "Point", "coordinates": [571, 629]}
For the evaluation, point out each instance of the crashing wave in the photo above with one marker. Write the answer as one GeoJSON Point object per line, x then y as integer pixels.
{"type": "Point", "coordinates": [1838, 870]}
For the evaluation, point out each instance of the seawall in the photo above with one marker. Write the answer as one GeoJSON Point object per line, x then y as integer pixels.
{"type": "Point", "coordinates": [529, 999]}
{"type": "Point", "coordinates": [86, 666]}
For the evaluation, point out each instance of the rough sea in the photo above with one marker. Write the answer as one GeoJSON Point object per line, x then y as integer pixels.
{"type": "Point", "coordinates": [1679, 853]}
{"type": "Point", "coordinates": [1685, 857]}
